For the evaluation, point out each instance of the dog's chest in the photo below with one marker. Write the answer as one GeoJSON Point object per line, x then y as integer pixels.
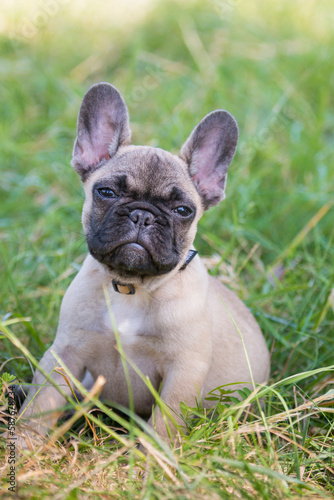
{"type": "Point", "coordinates": [132, 318]}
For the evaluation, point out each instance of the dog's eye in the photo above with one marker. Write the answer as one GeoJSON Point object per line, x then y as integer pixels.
{"type": "Point", "coordinates": [183, 211]}
{"type": "Point", "coordinates": [106, 192]}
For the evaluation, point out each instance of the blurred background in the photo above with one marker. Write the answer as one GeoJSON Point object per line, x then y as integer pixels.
{"type": "Point", "coordinates": [269, 63]}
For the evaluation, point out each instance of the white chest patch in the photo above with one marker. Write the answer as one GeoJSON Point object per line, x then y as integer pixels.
{"type": "Point", "coordinates": [131, 317]}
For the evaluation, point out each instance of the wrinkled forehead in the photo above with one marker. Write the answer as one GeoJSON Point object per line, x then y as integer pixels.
{"type": "Point", "coordinates": [146, 170]}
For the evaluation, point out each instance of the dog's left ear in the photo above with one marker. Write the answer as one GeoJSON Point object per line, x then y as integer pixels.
{"type": "Point", "coordinates": [208, 152]}
{"type": "Point", "coordinates": [103, 126]}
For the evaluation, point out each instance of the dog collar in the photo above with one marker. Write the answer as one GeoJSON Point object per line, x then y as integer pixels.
{"type": "Point", "coordinates": [125, 289]}
{"type": "Point", "coordinates": [129, 289]}
{"type": "Point", "coordinates": [190, 256]}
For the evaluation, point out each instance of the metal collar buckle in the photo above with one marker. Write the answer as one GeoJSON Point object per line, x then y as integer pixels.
{"type": "Point", "coordinates": [124, 288]}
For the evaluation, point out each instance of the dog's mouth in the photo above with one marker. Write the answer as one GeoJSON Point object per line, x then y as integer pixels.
{"type": "Point", "coordinates": [132, 259]}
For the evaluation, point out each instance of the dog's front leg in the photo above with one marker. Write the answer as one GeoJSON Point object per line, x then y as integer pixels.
{"type": "Point", "coordinates": [183, 382]}
{"type": "Point", "coordinates": [42, 406]}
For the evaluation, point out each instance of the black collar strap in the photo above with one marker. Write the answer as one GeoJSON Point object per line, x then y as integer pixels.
{"type": "Point", "coordinates": [128, 289]}
{"type": "Point", "coordinates": [190, 256]}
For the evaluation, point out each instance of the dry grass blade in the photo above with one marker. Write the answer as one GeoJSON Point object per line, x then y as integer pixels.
{"type": "Point", "coordinates": [95, 390]}
{"type": "Point", "coordinates": [88, 473]}
{"type": "Point", "coordinates": [303, 233]}
{"type": "Point", "coordinates": [161, 459]}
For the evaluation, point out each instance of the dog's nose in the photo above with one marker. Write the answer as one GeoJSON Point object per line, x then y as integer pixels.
{"type": "Point", "coordinates": [141, 217]}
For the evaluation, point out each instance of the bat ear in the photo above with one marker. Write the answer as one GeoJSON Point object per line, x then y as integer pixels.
{"type": "Point", "coordinates": [103, 126]}
{"type": "Point", "coordinates": [208, 152]}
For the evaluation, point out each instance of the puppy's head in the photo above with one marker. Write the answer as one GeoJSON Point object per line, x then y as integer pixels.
{"type": "Point", "coordinates": [142, 203]}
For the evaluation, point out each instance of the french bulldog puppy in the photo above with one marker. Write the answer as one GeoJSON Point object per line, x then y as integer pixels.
{"type": "Point", "coordinates": [140, 217]}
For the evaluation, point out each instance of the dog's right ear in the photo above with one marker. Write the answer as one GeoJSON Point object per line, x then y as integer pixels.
{"type": "Point", "coordinates": [103, 126]}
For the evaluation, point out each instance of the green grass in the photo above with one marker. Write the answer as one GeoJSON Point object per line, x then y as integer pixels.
{"type": "Point", "coordinates": [270, 64]}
